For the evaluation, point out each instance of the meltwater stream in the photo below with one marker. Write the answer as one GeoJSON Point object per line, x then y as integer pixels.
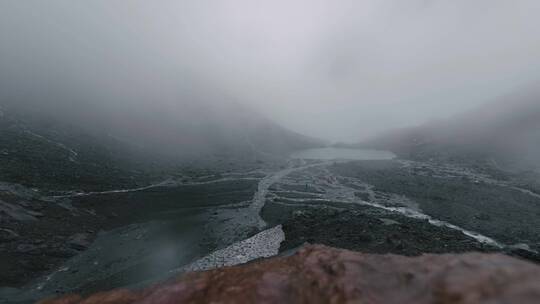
{"type": "Point", "coordinates": [313, 165]}
{"type": "Point", "coordinates": [341, 154]}
{"type": "Point", "coordinates": [267, 242]}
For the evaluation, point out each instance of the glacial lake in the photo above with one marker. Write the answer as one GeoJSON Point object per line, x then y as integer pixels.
{"type": "Point", "coordinates": [330, 153]}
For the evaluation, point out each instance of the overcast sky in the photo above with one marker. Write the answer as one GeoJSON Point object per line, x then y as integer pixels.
{"type": "Point", "coordinates": [335, 69]}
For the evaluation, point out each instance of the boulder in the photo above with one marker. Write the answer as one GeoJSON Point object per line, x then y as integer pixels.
{"type": "Point", "coordinates": [319, 274]}
{"type": "Point", "coordinates": [7, 235]}
{"type": "Point", "coordinates": [79, 241]}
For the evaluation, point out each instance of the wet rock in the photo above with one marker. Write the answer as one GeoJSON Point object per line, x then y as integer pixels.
{"type": "Point", "coordinates": [363, 196]}
{"type": "Point", "coordinates": [37, 206]}
{"type": "Point", "coordinates": [30, 248]}
{"type": "Point", "coordinates": [482, 217]}
{"type": "Point", "coordinates": [389, 222]}
{"type": "Point", "coordinates": [79, 241]}
{"type": "Point", "coordinates": [16, 212]}
{"type": "Point", "coordinates": [380, 232]}
{"type": "Point", "coordinates": [35, 214]}
{"type": "Point", "coordinates": [7, 235]}
{"type": "Point", "coordinates": [523, 251]}
{"type": "Point", "coordinates": [318, 274]}
{"type": "Point", "coordinates": [61, 251]}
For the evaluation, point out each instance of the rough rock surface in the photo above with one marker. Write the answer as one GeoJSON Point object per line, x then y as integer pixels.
{"type": "Point", "coordinates": [319, 274]}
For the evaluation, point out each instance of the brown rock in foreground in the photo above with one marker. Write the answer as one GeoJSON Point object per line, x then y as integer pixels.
{"type": "Point", "coordinates": [319, 274]}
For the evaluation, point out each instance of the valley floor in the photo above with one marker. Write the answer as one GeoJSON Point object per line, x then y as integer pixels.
{"type": "Point", "coordinates": [87, 242]}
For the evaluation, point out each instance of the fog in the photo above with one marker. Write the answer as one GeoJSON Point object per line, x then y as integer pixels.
{"type": "Point", "coordinates": [144, 139]}
{"type": "Point", "coordinates": [337, 70]}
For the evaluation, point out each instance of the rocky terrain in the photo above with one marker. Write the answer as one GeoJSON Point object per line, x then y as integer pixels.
{"type": "Point", "coordinates": [502, 135]}
{"type": "Point", "coordinates": [39, 232]}
{"type": "Point", "coordinates": [67, 190]}
{"type": "Point", "coordinates": [180, 152]}
{"type": "Point", "coordinates": [39, 149]}
{"type": "Point", "coordinates": [81, 215]}
{"type": "Point", "coordinates": [466, 198]}
{"type": "Point", "coordinates": [89, 241]}
{"type": "Point", "coordinates": [347, 204]}
{"type": "Point", "coordinates": [318, 274]}
{"type": "Point", "coordinates": [41, 152]}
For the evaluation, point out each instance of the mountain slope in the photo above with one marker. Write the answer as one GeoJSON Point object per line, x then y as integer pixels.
{"type": "Point", "coordinates": [40, 151]}
{"type": "Point", "coordinates": [505, 131]}
{"type": "Point", "coordinates": [100, 148]}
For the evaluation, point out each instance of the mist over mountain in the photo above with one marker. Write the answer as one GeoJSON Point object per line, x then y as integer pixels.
{"type": "Point", "coordinates": [505, 131]}
{"type": "Point", "coordinates": [337, 70]}
{"type": "Point", "coordinates": [143, 140]}
{"type": "Point", "coordinates": [94, 145]}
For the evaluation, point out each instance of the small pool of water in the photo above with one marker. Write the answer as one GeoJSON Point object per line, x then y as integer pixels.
{"type": "Point", "coordinates": [330, 153]}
